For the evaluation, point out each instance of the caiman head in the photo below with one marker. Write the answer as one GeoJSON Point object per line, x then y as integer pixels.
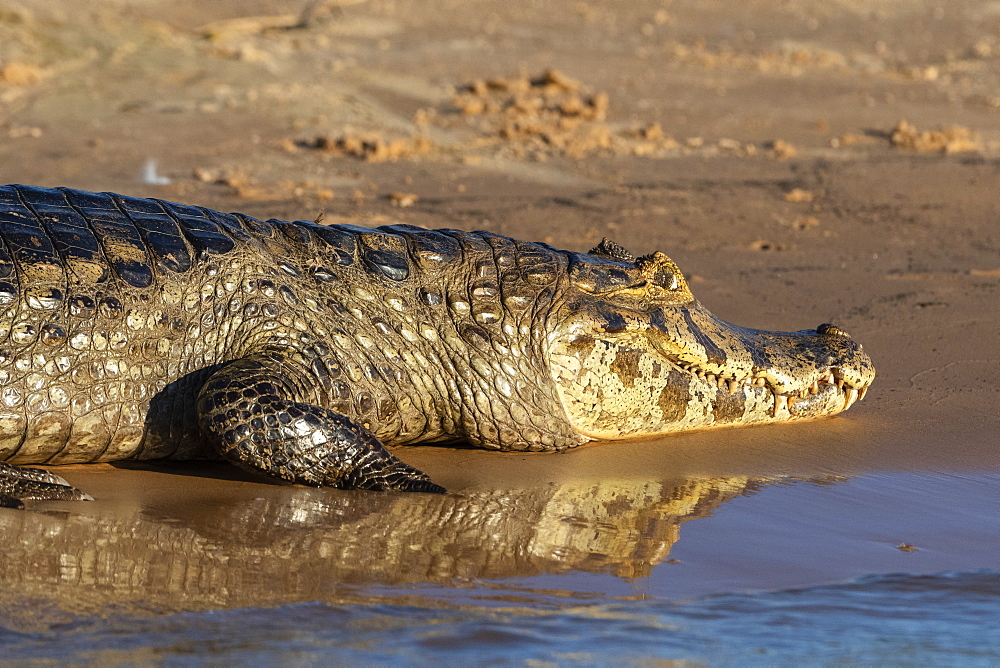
{"type": "Point", "coordinates": [634, 354]}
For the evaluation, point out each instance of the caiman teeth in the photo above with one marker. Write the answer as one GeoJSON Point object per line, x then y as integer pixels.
{"type": "Point", "coordinates": [851, 395]}
{"type": "Point", "coordinates": [782, 401]}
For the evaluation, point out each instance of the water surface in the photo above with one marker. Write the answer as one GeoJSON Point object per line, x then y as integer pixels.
{"type": "Point", "coordinates": [893, 567]}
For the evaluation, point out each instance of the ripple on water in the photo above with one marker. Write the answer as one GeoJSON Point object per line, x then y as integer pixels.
{"type": "Point", "coordinates": [925, 619]}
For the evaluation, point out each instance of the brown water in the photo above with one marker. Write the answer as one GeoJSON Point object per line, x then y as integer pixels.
{"type": "Point", "coordinates": [585, 572]}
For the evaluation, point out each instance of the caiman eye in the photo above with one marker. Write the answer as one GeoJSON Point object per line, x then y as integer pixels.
{"type": "Point", "coordinates": [662, 274]}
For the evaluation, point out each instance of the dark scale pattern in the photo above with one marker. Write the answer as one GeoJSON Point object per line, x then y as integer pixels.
{"type": "Point", "coordinates": [204, 234]}
{"type": "Point", "coordinates": [70, 234]}
{"type": "Point", "coordinates": [163, 237]}
{"type": "Point", "coordinates": [254, 409]}
{"type": "Point", "coordinates": [139, 328]}
{"type": "Point", "coordinates": [122, 246]}
{"type": "Point", "coordinates": [28, 246]}
{"type": "Point", "coordinates": [18, 484]}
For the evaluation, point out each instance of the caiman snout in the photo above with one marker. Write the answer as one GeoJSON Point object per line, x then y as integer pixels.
{"type": "Point", "coordinates": [811, 372]}
{"type": "Point", "coordinates": [683, 368]}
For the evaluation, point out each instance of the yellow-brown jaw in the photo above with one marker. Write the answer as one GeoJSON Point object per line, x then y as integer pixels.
{"type": "Point", "coordinates": [636, 355]}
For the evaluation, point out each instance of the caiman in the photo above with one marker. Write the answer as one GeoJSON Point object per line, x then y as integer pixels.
{"type": "Point", "coordinates": [143, 329]}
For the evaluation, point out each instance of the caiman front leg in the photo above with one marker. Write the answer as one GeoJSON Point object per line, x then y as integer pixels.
{"type": "Point", "coordinates": [254, 411]}
{"type": "Point", "coordinates": [18, 484]}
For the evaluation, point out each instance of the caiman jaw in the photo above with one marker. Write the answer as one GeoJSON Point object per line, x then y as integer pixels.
{"type": "Point", "coordinates": [784, 399]}
{"type": "Point", "coordinates": [686, 369]}
{"type": "Point", "coordinates": [796, 385]}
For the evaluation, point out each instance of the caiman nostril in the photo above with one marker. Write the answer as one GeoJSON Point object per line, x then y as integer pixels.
{"type": "Point", "coordinates": [826, 329]}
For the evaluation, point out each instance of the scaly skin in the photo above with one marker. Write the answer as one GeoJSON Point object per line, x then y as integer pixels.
{"type": "Point", "coordinates": [141, 329]}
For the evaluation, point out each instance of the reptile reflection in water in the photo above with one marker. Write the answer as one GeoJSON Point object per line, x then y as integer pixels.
{"type": "Point", "coordinates": [301, 544]}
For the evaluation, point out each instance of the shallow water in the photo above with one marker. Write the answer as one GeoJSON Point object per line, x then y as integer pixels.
{"type": "Point", "coordinates": [945, 619]}
{"type": "Point", "coordinates": [761, 571]}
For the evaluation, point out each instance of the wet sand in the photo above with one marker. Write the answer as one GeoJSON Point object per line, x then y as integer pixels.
{"type": "Point", "coordinates": [761, 147]}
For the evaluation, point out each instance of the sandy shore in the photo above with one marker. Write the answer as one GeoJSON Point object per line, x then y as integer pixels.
{"type": "Point", "coordinates": [803, 163]}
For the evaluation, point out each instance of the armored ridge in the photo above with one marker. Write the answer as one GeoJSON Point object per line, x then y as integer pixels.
{"type": "Point", "coordinates": [136, 328]}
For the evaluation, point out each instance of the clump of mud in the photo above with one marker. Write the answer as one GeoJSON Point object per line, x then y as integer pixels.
{"type": "Point", "coordinates": [521, 117]}
{"type": "Point", "coordinates": [551, 97]}
{"type": "Point", "coordinates": [370, 147]}
{"type": "Point", "coordinates": [21, 74]}
{"type": "Point", "coordinates": [549, 114]}
{"type": "Point", "coordinates": [952, 139]}
{"type": "Point", "coordinates": [540, 116]}
{"type": "Point", "coordinates": [782, 149]}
